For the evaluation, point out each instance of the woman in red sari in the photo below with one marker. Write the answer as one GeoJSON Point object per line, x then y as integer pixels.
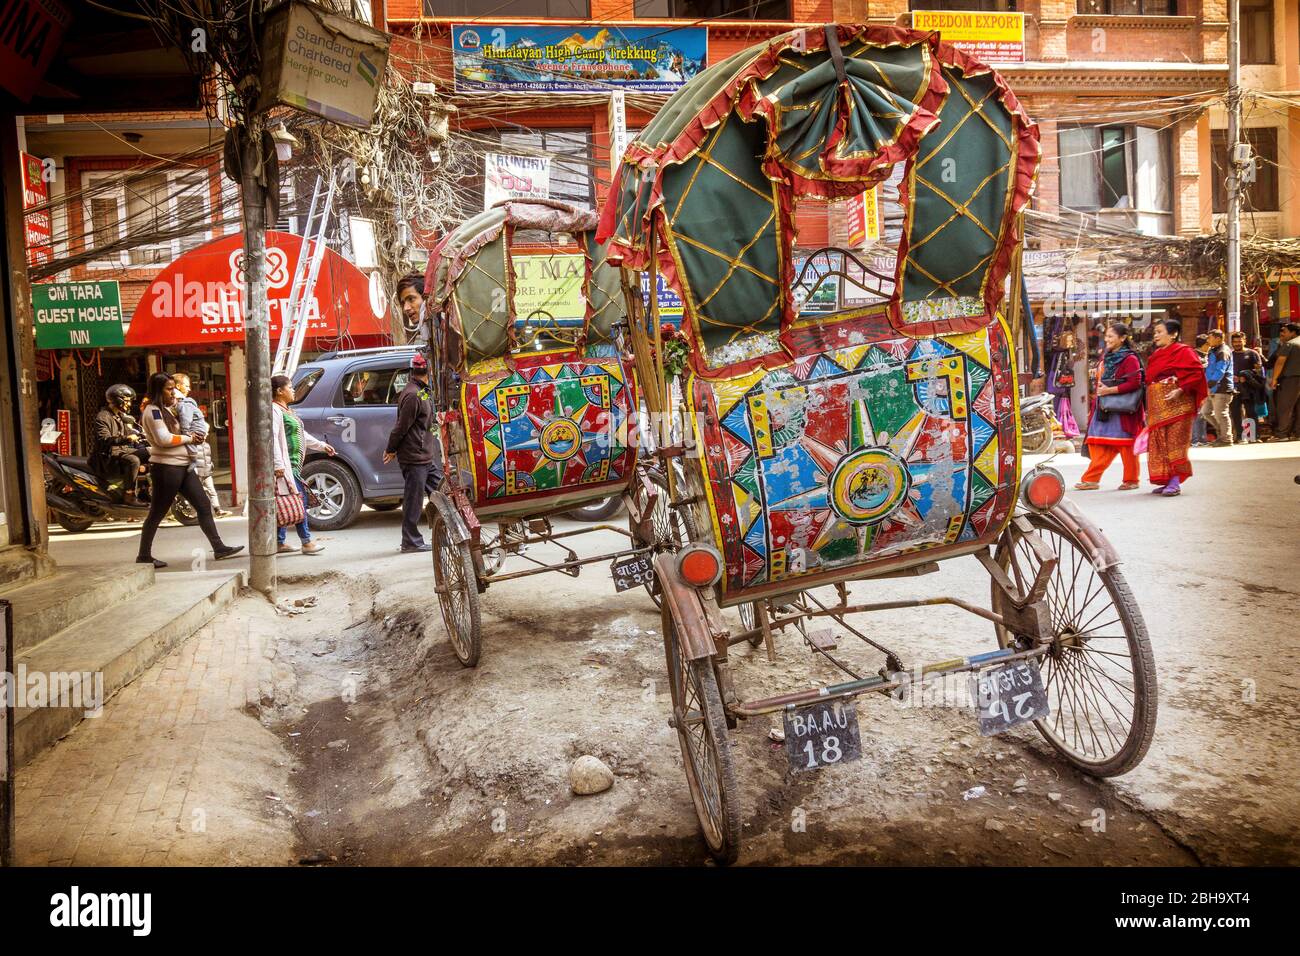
{"type": "Point", "coordinates": [1111, 434]}
{"type": "Point", "coordinates": [1175, 391]}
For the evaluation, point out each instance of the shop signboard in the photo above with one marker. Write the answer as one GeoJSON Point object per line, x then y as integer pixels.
{"type": "Point", "coordinates": [37, 226]}
{"type": "Point", "coordinates": [1062, 280]}
{"type": "Point", "coordinates": [864, 219]}
{"type": "Point", "coordinates": [550, 287]}
{"type": "Point", "coordinates": [199, 297]}
{"type": "Point", "coordinates": [77, 315]}
{"type": "Point", "coordinates": [988, 36]}
{"type": "Point", "coordinates": [670, 303]}
{"type": "Point", "coordinates": [506, 176]}
{"type": "Point", "coordinates": [515, 58]}
{"type": "Point", "coordinates": [321, 62]}
{"type": "Point", "coordinates": [30, 34]}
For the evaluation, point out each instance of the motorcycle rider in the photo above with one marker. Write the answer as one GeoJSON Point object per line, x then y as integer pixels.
{"type": "Point", "coordinates": [120, 447]}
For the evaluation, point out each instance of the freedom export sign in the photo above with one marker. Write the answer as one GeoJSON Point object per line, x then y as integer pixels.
{"type": "Point", "coordinates": [77, 315]}
{"type": "Point", "coordinates": [989, 37]}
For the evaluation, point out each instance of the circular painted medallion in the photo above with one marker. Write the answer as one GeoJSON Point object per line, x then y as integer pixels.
{"type": "Point", "coordinates": [868, 484]}
{"type": "Point", "coordinates": [560, 439]}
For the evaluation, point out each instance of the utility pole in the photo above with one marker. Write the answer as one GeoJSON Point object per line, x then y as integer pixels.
{"type": "Point", "coordinates": [257, 345]}
{"type": "Point", "coordinates": [1234, 166]}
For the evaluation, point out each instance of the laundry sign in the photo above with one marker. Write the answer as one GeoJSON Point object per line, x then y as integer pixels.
{"type": "Point", "coordinates": [77, 315]}
{"type": "Point", "coordinates": [506, 176]}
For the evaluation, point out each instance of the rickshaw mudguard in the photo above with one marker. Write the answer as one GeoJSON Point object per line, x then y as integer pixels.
{"type": "Point", "coordinates": [1085, 531]}
{"type": "Point", "coordinates": [457, 532]}
{"type": "Point", "coordinates": [699, 622]}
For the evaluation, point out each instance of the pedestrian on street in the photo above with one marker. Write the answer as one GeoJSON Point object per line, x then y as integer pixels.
{"type": "Point", "coordinates": [1113, 433]}
{"type": "Point", "coordinates": [1285, 383]}
{"type": "Point", "coordinates": [1248, 376]}
{"type": "Point", "coordinates": [1219, 377]}
{"type": "Point", "coordinates": [1201, 424]}
{"type": "Point", "coordinates": [169, 464]}
{"type": "Point", "coordinates": [289, 439]}
{"type": "Point", "coordinates": [193, 423]}
{"type": "Point", "coordinates": [1176, 387]}
{"type": "Point", "coordinates": [413, 442]}
{"type": "Point", "coordinates": [410, 296]}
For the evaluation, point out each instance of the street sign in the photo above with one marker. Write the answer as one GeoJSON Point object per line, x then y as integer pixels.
{"type": "Point", "coordinates": [77, 315]}
{"type": "Point", "coordinates": [38, 226]}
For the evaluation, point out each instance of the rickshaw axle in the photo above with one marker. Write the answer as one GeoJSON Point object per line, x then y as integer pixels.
{"type": "Point", "coordinates": [863, 608]}
{"type": "Point", "coordinates": [882, 685]}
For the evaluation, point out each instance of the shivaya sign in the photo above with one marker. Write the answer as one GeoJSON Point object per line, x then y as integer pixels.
{"type": "Point", "coordinates": [199, 297]}
{"type": "Point", "coordinates": [77, 315]}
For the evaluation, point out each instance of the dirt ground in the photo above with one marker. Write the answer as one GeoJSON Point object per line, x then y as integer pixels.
{"type": "Point", "coordinates": [401, 756]}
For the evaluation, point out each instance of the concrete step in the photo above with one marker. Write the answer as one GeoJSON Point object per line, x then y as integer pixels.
{"type": "Point", "coordinates": [50, 604]}
{"type": "Point", "coordinates": [20, 566]}
{"type": "Point", "coordinates": [119, 643]}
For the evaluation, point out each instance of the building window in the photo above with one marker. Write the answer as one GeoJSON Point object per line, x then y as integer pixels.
{"type": "Point", "coordinates": [158, 216]}
{"type": "Point", "coordinates": [1129, 8]}
{"type": "Point", "coordinates": [1256, 31]}
{"type": "Point", "coordinates": [1261, 195]}
{"type": "Point", "coordinates": [571, 9]}
{"type": "Point", "coordinates": [1122, 173]}
{"type": "Point", "coordinates": [981, 6]}
{"type": "Point", "coordinates": [713, 9]}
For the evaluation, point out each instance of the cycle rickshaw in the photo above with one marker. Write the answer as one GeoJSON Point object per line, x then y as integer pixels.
{"type": "Point", "coordinates": [536, 410]}
{"type": "Point", "coordinates": [872, 442]}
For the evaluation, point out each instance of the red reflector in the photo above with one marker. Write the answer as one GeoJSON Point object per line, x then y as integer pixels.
{"type": "Point", "coordinates": [1045, 491]}
{"type": "Point", "coordinates": [699, 567]}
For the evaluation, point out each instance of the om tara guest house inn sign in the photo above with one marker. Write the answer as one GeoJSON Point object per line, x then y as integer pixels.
{"type": "Point", "coordinates": [77, 315]}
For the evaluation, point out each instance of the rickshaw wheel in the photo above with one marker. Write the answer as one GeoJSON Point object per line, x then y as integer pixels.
{"type": "Point", "coordinates": [1100, 673]}
{"type": "Point", "coordinates": [701, 725]}
{"type": "Point", "coordinates": [457, 584]}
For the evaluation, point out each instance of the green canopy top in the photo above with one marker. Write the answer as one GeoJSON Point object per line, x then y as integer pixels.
{"type": "Point", "coordinates": [824, 113]}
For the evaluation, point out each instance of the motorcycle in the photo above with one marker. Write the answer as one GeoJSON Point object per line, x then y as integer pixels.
{"type": "Point", "coordinates": [77, 497]}
{"type": "Point", "coordinates": [1036, 421]}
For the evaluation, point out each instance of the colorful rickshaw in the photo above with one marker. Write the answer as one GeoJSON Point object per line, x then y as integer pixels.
{"type": "Point", "coordinates": [871, 441]}
{"type": "Point", "coordinates": [536, 409]}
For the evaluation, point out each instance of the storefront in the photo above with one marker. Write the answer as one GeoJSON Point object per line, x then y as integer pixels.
{"type": "Point", "coordinates": [1073, 296]}
{"type": "Point", "coordinates": [191, 319]}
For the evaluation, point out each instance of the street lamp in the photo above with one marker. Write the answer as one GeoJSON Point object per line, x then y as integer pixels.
{"type": "Point", "coordinates": [284, 142]}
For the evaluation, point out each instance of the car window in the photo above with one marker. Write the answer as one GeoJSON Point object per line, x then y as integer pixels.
{"type": "Point", "coordinates": [302, 388]}
{"type": "Point", "coordinates": [373, 386]}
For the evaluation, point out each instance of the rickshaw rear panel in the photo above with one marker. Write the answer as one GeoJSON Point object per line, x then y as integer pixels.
{"type": "Point", "coordinates": [850, 459]}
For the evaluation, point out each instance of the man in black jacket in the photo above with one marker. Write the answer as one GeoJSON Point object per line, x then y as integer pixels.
{"type": "Point", "coordinates": [413, 442]}
{"type": "Point", "coordinates": [120, 450]}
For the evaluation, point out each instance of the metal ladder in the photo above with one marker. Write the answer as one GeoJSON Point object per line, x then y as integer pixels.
{"type": "Point", "coordinates": [293, 331]}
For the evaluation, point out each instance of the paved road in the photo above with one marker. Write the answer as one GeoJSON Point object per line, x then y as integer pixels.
{"type": "Point", "coordinates": [1216, 572]}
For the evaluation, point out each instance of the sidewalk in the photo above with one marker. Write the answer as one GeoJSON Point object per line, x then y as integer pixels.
{"type": "Point", "coordinates": [150, 781]}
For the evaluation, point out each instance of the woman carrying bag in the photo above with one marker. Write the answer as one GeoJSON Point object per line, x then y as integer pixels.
{"type": "Point", "coordinates": [169, 468]}
{"type": "Point", "coordinates": [290, 439]}
{"type": "Point", "coordinates": [1117, 416]}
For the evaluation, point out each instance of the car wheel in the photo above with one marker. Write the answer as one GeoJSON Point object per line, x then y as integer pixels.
{"type": "Point", "coordinates": [336, 490]}
{"type": "Point", "coordinates": [597, 510]}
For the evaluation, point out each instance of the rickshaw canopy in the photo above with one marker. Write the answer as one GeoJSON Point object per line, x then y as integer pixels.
{"type": "Point", "coordinates": [712, 182]}
{"type": "Point", "coordinates": [471, 276]}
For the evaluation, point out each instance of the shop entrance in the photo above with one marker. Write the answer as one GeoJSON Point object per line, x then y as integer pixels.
{"type": "Point", "coordinates": [210, 387]}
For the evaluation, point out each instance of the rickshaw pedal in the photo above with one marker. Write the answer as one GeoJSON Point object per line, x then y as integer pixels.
{"type": "Point", "coordinates": [822, 640]}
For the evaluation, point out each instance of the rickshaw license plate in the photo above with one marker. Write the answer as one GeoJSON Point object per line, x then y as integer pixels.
{"type": "Point", "coordinates": [1009, 695]}
{"type": "Point", "coordinates": [633, 571]}
{"type": "Point", "coordinates": [822, 735]}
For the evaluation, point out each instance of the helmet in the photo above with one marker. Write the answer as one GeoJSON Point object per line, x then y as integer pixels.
{"type": "Point", "coordinates": [120, 396]}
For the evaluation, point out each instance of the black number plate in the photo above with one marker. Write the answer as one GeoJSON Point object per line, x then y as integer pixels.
{"type": "Point", "coordinates": [822, 735]}
{"type": "Point", "coordinates": [633, 571]}
{"type": "Point", "coordinates": [1009, 695]}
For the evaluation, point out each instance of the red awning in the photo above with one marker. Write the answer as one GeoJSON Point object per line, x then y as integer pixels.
{"type": "Point", "coordinates": [198, 298]}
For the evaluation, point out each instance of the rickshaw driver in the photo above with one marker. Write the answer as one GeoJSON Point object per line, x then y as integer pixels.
{"type": "Point", "coordinates": [413, 442]}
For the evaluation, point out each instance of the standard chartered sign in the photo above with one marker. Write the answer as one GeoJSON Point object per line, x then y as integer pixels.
{"type": "Point", "coordinates": [77, 315]}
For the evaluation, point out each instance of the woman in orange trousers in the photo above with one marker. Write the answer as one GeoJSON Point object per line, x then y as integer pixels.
{"type": "Point", "coordinates": [1113, 433]}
